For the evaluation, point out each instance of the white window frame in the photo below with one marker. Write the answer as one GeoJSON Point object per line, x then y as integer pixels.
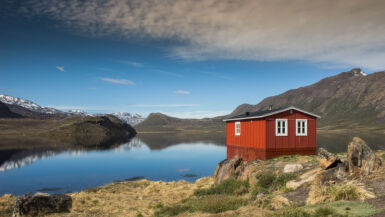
{"type": "Point", "coordinates": [281, 121]}
{"type": "Point", "coordinates": [237, 123]}
{"type": "Point", "coordinates": [303, 127]}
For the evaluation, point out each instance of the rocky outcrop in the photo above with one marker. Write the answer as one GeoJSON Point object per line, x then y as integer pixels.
{"type": "Point", "coordinates": [360, 158]}
{"type": "Point", "coordinates": [41, 204]}
{"type": "Point", "coordinates": [326, 159]}
{"type": "Point", "coordinates": [307, 177]}
{"type": "Point", "coordinates": [226, 169]}
{"type": "Point", "coordinates": [236, 168]}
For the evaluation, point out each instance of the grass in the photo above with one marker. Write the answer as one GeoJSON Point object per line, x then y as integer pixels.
{"type": "Point", "coordinates": [207, 203]}
{"type": "Point", "coordinates": [269, 182]}
{"type": "Point", "coordinates": [342, 208]}
{"type": "Point", "coordinates": [227, 187]}
{"type": "Point", "coordinates": [342, 191]}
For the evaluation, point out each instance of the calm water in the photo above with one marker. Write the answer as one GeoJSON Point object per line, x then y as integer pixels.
{"type": "Point", "coordinates": [66, 171]}
{"type": "Point", "coordinates": [154, 157]}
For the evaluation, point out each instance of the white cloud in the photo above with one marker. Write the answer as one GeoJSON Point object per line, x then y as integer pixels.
{"type": "Point", "coordinates": [330, 32]}
{"type": "Point", "coordinates": [117, 81]}
{"type": "Point", "coordinates": [131, 63]}
{"type": "Point", "coordinates": [185, 92]}
{"type": "Point", "coordinates": [60, 68]}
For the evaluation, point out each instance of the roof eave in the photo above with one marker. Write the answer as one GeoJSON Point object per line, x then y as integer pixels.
{"type": "Point", "coordinates": [273, 113]}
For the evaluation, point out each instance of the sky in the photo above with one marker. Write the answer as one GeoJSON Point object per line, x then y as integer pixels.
{"type": "Point", "coordinates": [187, 58]}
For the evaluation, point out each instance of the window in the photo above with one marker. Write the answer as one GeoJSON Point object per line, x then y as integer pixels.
{"type": "Point", "coordinates": [237, 128]}
{"type": "Point", "coordinates": [301, 127]}
{"type": "Point", "coordinates": [281, 127]}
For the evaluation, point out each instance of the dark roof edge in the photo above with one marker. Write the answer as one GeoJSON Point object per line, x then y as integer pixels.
{"type": "Point", "coordinates": [273, 113]}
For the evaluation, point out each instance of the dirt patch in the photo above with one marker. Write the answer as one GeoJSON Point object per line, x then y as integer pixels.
{"type": "Point", "coordinates": [378, 202]}
{"type": "Point", "coordinates": [378, 186]}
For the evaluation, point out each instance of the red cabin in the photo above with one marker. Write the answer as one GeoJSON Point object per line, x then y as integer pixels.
{"type": "Point", "coordinates": [271, 133]}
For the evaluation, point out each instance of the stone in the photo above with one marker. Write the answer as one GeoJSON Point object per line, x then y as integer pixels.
{"type": "Point", "coordinates": [226, 169]}
{"type": "Point", "coordinates": [360, 158]}
{"type": "Point", "coordinates": [326, 159]}
{"type": "Point", "coordinates": [307, 177]}
{"type": "Point", "coordinates": [292, 168]}
{"type": "Point", "coordinates": [41, 204]}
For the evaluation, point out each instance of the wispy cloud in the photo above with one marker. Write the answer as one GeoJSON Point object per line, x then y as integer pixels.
{"type": "Point", "coordinates": [347, 32]}
{"type": "Point", "coordinates": [164, 105]}
{"type": "Point", "coordinates": [117, 81]}
{"type": "Point", "coordinates": [131, 63]}
{"type": "Point", "coordinates": [60, 68]}
{"type": "Point", "coordinates": [185, 92]}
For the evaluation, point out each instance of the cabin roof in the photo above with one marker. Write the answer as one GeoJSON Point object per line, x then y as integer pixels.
{"type": "Point", "coordinates": [265, 113]}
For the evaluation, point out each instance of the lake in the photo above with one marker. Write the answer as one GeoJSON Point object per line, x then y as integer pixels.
{"type": "Point", "coordinates": [150, 156]}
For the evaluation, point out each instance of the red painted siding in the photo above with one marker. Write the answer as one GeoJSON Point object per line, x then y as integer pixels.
{"type": "Point", "coordinates": [251, 141]}
{"type": "Point", "coordinates": [291, 142]}
{"type": "Point", "coordinates": [258, 139]}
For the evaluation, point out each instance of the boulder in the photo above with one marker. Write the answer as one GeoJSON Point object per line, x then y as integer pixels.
{"type": "Point", "coordinates": [292, 168]}
{"type": "Point", "coordinates": [41, 204]}
{"type": "Point", "coordinates": [360, 158]}
{"type": "Point", "coordinates": [307, 177]}
{"type": "Point", "coordinates": [226, 169]}
{"type": "Point", "coordinates": [326, 159]}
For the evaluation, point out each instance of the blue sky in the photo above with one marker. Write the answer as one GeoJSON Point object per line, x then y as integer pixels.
{"type": "Point", "coordinates": [110, 60]}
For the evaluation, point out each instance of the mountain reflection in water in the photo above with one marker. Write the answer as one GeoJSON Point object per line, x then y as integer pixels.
{"type": "Point", "coordinates": [153, 156]}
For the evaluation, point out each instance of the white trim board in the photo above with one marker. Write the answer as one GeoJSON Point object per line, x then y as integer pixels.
{"type": "Point", "coordinates": [273, 113]}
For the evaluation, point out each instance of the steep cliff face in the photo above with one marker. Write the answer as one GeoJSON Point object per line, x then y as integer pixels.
{"type": "Point", "coordinates": [5, 112]}
{"type": "Point", "coordinates": [350, 97]}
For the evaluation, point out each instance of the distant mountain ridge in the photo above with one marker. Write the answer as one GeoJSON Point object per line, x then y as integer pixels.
{"type": "Point", "coordinates": [14, 107]}
{"type": "Point", "coordinates": [348, 99]}
{"type": "Point", "coordinates": [351, 97]}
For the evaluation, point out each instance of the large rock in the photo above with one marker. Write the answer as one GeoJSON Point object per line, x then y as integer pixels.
{"type": "Point", "coordinates": [326, 159]}
{"type": "Point", "coordinates": [307, 177]}
{"type": "Point", "coordinates": [360, 158]}
{"type": "Point", "coordinates": [41, 204]}
{"type": "Point", "coordinates": [238, 169]}
{"type": "Point", "coordinates": [226, 169]}
{"type": "Point", "coordinates": [292, 168]}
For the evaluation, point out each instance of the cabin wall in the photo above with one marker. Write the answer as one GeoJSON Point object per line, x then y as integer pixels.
{"type": "Point", "coordinates": [251, 144]}
{"type": "Point", "coordinates": [291, 144]}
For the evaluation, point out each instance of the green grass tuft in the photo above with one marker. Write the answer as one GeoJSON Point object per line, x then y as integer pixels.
{"type": "Point", "coordinates": [269, 182]}
{"type": "Point", "coordinates": [228, 187]}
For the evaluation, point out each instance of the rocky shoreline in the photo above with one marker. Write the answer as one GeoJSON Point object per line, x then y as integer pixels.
{"type": "Point", "coordinates": [343, 184]}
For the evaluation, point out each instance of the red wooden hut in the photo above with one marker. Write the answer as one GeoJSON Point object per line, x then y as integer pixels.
{"type": "Point", "coordinates": [271, 133]}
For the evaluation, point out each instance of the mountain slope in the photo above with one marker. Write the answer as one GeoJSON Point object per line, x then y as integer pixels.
{"type": "Point", "coordinates": [27, 104]}
{"type": "Point", "coordinates": [349, 98]}
{"type": "Point", "coordinates": [157, 122]}
{"type": "Point", "coordinates": [5, 112]}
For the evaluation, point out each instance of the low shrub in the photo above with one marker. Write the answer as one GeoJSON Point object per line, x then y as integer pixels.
{"type": "Point", "coordinates": [209, 204]}
{"type": "Point", "coordinates": [326, 212]}
{"type": "Point", "coordinates": [228, 187]}
{"type": "Point", "coordinates": [290, 212]}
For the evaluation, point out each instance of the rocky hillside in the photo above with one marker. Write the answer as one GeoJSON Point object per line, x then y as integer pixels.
{"type": "Point", "coordinates": [349, 98]}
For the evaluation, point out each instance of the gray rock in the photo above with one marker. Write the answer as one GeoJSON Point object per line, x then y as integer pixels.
{"type": "Point", "coordinates": [226, 169]}
{"type": "Point", "coordinates": [326, 159]}
{"type": "Point", "coordinates": [41, 204]}
{"type": "Point", "coordinates": [292, 168]}
{"type": "Point", "coordinates": [360, 158]}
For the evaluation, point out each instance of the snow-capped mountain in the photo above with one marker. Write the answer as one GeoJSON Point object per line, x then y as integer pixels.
{"type": "Point", "coordinates": [132, 119]}
{"type": "Point", "coordinates": [77, 112]}
{"type": "Point", "coordinates": [27, 104]}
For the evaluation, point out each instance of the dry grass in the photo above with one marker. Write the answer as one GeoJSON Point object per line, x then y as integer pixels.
{"type": "Point", "coordinates": [344, 191]}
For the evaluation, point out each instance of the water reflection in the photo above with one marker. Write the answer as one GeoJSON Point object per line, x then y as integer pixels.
{"type": "Point", "coordinates": [152, 156]}
{"type": "Point", "coordinates": [60, 171]}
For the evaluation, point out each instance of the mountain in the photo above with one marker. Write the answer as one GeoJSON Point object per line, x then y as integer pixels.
{"type": "Point", "coordinates": [158, 122]}
{"type": "Point", "coordinates": [27, 104]}
{"type": "Point", "coordinates": [128, 118]}
{"type": "Point", "coordinates": [348, 99]}
{"type": "Point", "coordinates": [5, 112]}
